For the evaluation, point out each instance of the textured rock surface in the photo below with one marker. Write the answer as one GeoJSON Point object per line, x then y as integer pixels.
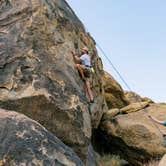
{"type": "Point", "coordinates": [26, 142]}
{"type": "Point", "coordinates": [38, 79]}
{"type": "Point", "coordinates": [37, 74]}
{"type": "Point", "coordinates": [134, 107]}
{"type": "Point", "coordinates": [134, 136]}
{"type": "Point", "coordinates": [125, 110]}
{"type": "Point", "coordinates": [114, 94]}
{"type": "Point", "coordinates": [110, 114]}
{"type": "Point", "coordinates": [132, 97]}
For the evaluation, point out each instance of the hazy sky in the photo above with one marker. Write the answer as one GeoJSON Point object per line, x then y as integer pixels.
{"type": "Point", "coordinates": [133, 35]}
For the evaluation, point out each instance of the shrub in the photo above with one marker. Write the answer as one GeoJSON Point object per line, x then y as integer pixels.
{"type": "Point", "coordinates": [109, 160]}
{"type": "Point", "coordinates": [152, 163]}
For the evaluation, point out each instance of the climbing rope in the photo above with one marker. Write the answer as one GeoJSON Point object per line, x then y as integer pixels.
{"type": "Point", "coordinates": [113, 66]}
{"type": "Point", "coordinates": [128, 87]}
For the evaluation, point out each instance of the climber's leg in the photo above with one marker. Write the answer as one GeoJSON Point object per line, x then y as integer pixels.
{"type": "Point", "coordinates": [89, 90]}
{"type": "Point", "coordinates": [81, 71]}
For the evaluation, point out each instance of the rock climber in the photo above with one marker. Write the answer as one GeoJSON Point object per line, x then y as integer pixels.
{"type": "Point", "coordinates": [157, 121]}
{"type": "Point", "coordinates": [84, 68]}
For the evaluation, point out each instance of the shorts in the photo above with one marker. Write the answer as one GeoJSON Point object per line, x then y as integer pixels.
{"type": "Point", "coordinates": [86, 71]}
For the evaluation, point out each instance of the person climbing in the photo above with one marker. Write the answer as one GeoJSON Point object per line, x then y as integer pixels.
{"type": "Point", "coordinates": [84, 68]}
{"type": "Point", "coordinates": [162, 122]}
{"type": "Point", "coordinates": [156, 120]}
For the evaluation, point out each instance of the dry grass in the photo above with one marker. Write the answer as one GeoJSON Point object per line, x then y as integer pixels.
{"type": "Point", "coordinates": [152, 163]}
{"type": "Point", "coordinates": [113, 160]}
{"type": "Point", "coordinates": [109, 160]}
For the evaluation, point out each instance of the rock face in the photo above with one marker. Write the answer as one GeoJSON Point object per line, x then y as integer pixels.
{"type": "Point", "coordinates": [37, 74]}
{"type": "Point", "coordinates": [134, 107]}
{"type": "Point", "coordinates": [134, 136]}
{"type": "Point", "coordinates": [114, 94]}
{"type": "Point", "coordinates": [26, 142]}
{"type": "Point", "coordinates": [110, 114]}
{"type": "Point", "coordinates": [38, 79]}
{"type": "Point", "coordinates": [163, 161]}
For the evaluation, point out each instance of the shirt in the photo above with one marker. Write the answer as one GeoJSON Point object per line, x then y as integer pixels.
{"type": "Point", "coordinates": [164, 123]}
{"type": "Point", "coordinates": [86, 60]}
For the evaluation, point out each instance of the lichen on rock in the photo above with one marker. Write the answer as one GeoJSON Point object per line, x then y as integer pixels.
{"type": "Point", "coordinates": [37, 71]}
{"type": "Point", "coordinates": [26, 142]}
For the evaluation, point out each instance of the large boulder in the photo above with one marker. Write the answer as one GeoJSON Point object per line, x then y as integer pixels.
{"type": "Point", "coordinates": [114, 94]}
{"type": "Point", "coordinates": [134, 107]}
{"type": "Point", "coordinates": [37, 74]}
{"type": "Point", "coordinates": [134, 136]}
{"type": "Point", "coordinates": [125, 110]}
{"type": "Point", "coordinates": [133, 97]}
{"type": "Point", "coordinates": [26, 142]}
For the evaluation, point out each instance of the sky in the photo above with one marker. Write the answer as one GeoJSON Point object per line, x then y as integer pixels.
{"type": "Point", "coordinates": [133, 35]}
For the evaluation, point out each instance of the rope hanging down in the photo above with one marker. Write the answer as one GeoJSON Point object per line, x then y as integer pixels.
{"type": "Point", "coordinates": [128, 87]}
{"type": "Point", "coordinates": [113, 66]}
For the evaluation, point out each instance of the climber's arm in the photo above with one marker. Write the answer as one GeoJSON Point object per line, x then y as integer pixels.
{"type": "Point", "coordinates": [156, 120]}
{"type": "Point", "coordinates": [76, 58]}
{"type": "Point", "coordinates": [3, 31]}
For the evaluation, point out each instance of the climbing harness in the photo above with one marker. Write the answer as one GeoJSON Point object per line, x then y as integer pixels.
{"type": "Point", "coordinates": [92, 70]}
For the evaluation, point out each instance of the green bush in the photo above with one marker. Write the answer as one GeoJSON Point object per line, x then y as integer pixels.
{"type": "Point", "coordinates": [113, 160]}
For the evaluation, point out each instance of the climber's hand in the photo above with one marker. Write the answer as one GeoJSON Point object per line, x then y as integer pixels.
{"type": "Point", "coordinates": [73, 53]}
{"type": "Point", "coordinates": [149, 115]}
